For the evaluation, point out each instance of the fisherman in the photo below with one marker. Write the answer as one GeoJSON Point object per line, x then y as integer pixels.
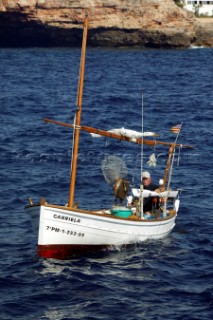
{"type": "Point", "coordinates": [147, 182]}
{"type": "Point", "coordinates": [148, 185]}
{"type": "Point", "coordinates": [151, 205]}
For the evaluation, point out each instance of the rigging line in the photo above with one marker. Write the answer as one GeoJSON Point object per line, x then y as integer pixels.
{"type": "Point", "coordinates": [73, 136]}
{"type": "Point", "coordinates": [179, 156]}
{"type": "Point", "coordinates": [173, 156]}
{"type": "Point", "coordinates": [170, 171]}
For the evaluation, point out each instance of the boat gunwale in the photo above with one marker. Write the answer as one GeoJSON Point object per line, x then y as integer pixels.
{"type": "Point", "coordinates": [110, 216]}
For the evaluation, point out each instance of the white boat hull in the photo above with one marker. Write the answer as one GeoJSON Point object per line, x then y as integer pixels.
{"type": "Point", "coordinates": [64, 232]}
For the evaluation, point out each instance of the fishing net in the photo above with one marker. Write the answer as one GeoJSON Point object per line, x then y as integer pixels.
{"type": "Point", "coordinates": [113, 168]}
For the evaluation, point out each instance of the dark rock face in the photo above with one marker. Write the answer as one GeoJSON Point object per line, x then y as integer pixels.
{"type": "Point", "coordinates": [204, 32]}
{"type": "Point", "coordinates": [141, 23]}
{"type": "Point", "coordinates": [16, 30]}
{"type": "Point", "coordinates": [137, 38]}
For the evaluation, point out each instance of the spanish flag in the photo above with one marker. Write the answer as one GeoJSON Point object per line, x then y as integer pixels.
{"type": "Point", "coordinates": [176, 129]}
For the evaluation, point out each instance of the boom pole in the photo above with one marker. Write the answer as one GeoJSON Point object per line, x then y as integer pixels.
{"type": "Point", "coordinates": [117, 136]}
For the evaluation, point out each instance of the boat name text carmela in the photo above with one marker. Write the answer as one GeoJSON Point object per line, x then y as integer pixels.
{"type": "Point", "coordinates": [66, 218]}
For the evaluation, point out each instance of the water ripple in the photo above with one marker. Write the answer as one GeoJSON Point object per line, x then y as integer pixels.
{"type": "Point", "coordinates": [171, 278]}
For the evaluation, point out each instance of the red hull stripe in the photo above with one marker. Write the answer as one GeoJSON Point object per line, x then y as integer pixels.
{"type": "Point", "coordinates": [67, 251]}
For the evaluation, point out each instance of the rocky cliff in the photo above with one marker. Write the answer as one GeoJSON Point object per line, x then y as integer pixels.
{"type": "Point", "coordinates": [145, 23]}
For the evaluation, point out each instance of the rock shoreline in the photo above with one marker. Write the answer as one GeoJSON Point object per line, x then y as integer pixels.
{"type": "Point", "coordinates": [113, 23]}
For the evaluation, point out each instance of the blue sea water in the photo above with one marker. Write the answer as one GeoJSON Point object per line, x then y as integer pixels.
{"type": "Point", "coordinates": [167, 279]}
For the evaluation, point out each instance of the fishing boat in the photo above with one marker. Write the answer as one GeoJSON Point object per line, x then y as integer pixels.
{"type": "Point", "coordinates": [66, 230]}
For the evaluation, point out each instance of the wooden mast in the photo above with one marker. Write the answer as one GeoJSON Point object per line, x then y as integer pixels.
{"type": "Point", "coordinates": [171, 150]}
{"type": "Point", "coordinates": [78, 116]}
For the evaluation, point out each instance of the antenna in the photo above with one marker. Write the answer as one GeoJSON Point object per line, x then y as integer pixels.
{"type": "Point", "coordinates": [142, 130]}
{"type": "Point", "coordinates": [141, 185]}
